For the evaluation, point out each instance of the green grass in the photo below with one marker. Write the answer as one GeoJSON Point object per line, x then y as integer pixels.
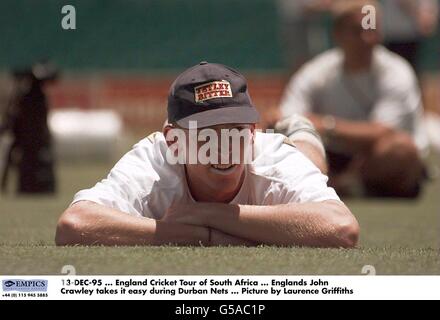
{"type": "Point", "coordinates": [398, 237]}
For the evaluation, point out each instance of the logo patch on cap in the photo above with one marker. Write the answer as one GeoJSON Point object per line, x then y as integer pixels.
{"type": "Point", "coordinates": [212, 90]}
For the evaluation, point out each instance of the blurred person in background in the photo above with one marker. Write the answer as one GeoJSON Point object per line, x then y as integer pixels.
{"type": "Point", "coordinates": [406, 23]}
{"type": "Point", "coordinates": [365, 102]}
{"type": "Point", "coordinates": [25, 119]}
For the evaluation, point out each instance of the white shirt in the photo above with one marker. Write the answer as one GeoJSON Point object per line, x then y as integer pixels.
{"type": "Point", "coordinates": [142, 183]}
{"type": "Point", "coordinates": [387, 93]}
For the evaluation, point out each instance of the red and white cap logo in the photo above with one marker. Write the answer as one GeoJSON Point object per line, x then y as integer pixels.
{"type": "Point", "coordinates": [212, 90]}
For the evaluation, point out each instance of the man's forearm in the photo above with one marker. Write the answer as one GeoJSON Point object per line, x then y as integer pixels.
{"type": "Point", "coordinates": [324, 224]}
{"type": "Point", "coordinates": [88, 223]}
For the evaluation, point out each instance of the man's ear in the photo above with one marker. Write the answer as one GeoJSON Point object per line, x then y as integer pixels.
{"type": "Point", "coordinates": [253, 132]}
{"type": "Point", "coordinates": [166, 131]}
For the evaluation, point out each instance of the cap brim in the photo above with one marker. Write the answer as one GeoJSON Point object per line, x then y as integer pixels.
{"type": "Point", "coordinates": [228, 115]}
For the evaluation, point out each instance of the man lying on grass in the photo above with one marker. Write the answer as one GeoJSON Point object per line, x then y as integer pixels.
{"type": "Point", "coordinates": [211, 179]}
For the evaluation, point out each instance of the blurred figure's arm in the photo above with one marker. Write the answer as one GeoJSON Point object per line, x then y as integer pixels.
{"type": "Point", "coordinates": [298, 100]}
{"type": "Point", "coordinates": [352, 136]}
{"type": "Point", "coordinates": [399, 109]}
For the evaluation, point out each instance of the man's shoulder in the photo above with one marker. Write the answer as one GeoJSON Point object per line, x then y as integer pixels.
{"type": "Point", "coordinates": [393, 69]}
{"type": "Point", "coordinates": [276, 155]}
{"type": "Point", "coordinates": [151, 154]}
{"type": "Point", "coordinates": [154, 147]}
{"type": "Point", "coordinates": [279, 168]}
{"type": "Point", "coordinates": [148, 161]}
{"type": "Point", "coordinates": [268, 142]}
{"type": "Point", "coordinates": [152, 138]}
{"type": "Point", "coordinates": [391, 60]}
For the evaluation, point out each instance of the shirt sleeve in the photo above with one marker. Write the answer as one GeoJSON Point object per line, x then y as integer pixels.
{"type": "Point", "coordinates": [297, 96]}
{"type": "Point", "coordinates": [127, 184]}
{"type": "Point", "coordinates": [400, 105]}
{"type": "Point", "coordinates": [308, 187]}
{"type": "Point", "coordinates": [398, 102]}
{"type": "Point", "coordinates": [295, 179]}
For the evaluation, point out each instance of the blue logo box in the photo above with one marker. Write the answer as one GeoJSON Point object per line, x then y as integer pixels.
{"type": "Point", "coordinates": [24, 285]}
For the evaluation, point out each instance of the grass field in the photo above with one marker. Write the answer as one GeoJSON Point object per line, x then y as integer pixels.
{"type": "Point", "coordinates": [398, 237]}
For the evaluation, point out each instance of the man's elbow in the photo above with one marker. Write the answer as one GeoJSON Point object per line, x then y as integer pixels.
{"type": "Point", "coordinates": [343, 228]}
{"type": "Point", "coordinates": [69, 228]}
{"type": "Point", "coordinates": [347, 233]}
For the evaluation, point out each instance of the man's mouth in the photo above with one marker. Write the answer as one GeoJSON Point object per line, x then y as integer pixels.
{"type": "Point", "coordinates": [222, 166]}
{"type": "Point", "coordinates": [223, 169]}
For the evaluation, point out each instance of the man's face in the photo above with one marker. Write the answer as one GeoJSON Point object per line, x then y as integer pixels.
{"type": "Point", "coordinates": [216, 156]}
{"type": "Point", "coordinates": [353, 38]}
